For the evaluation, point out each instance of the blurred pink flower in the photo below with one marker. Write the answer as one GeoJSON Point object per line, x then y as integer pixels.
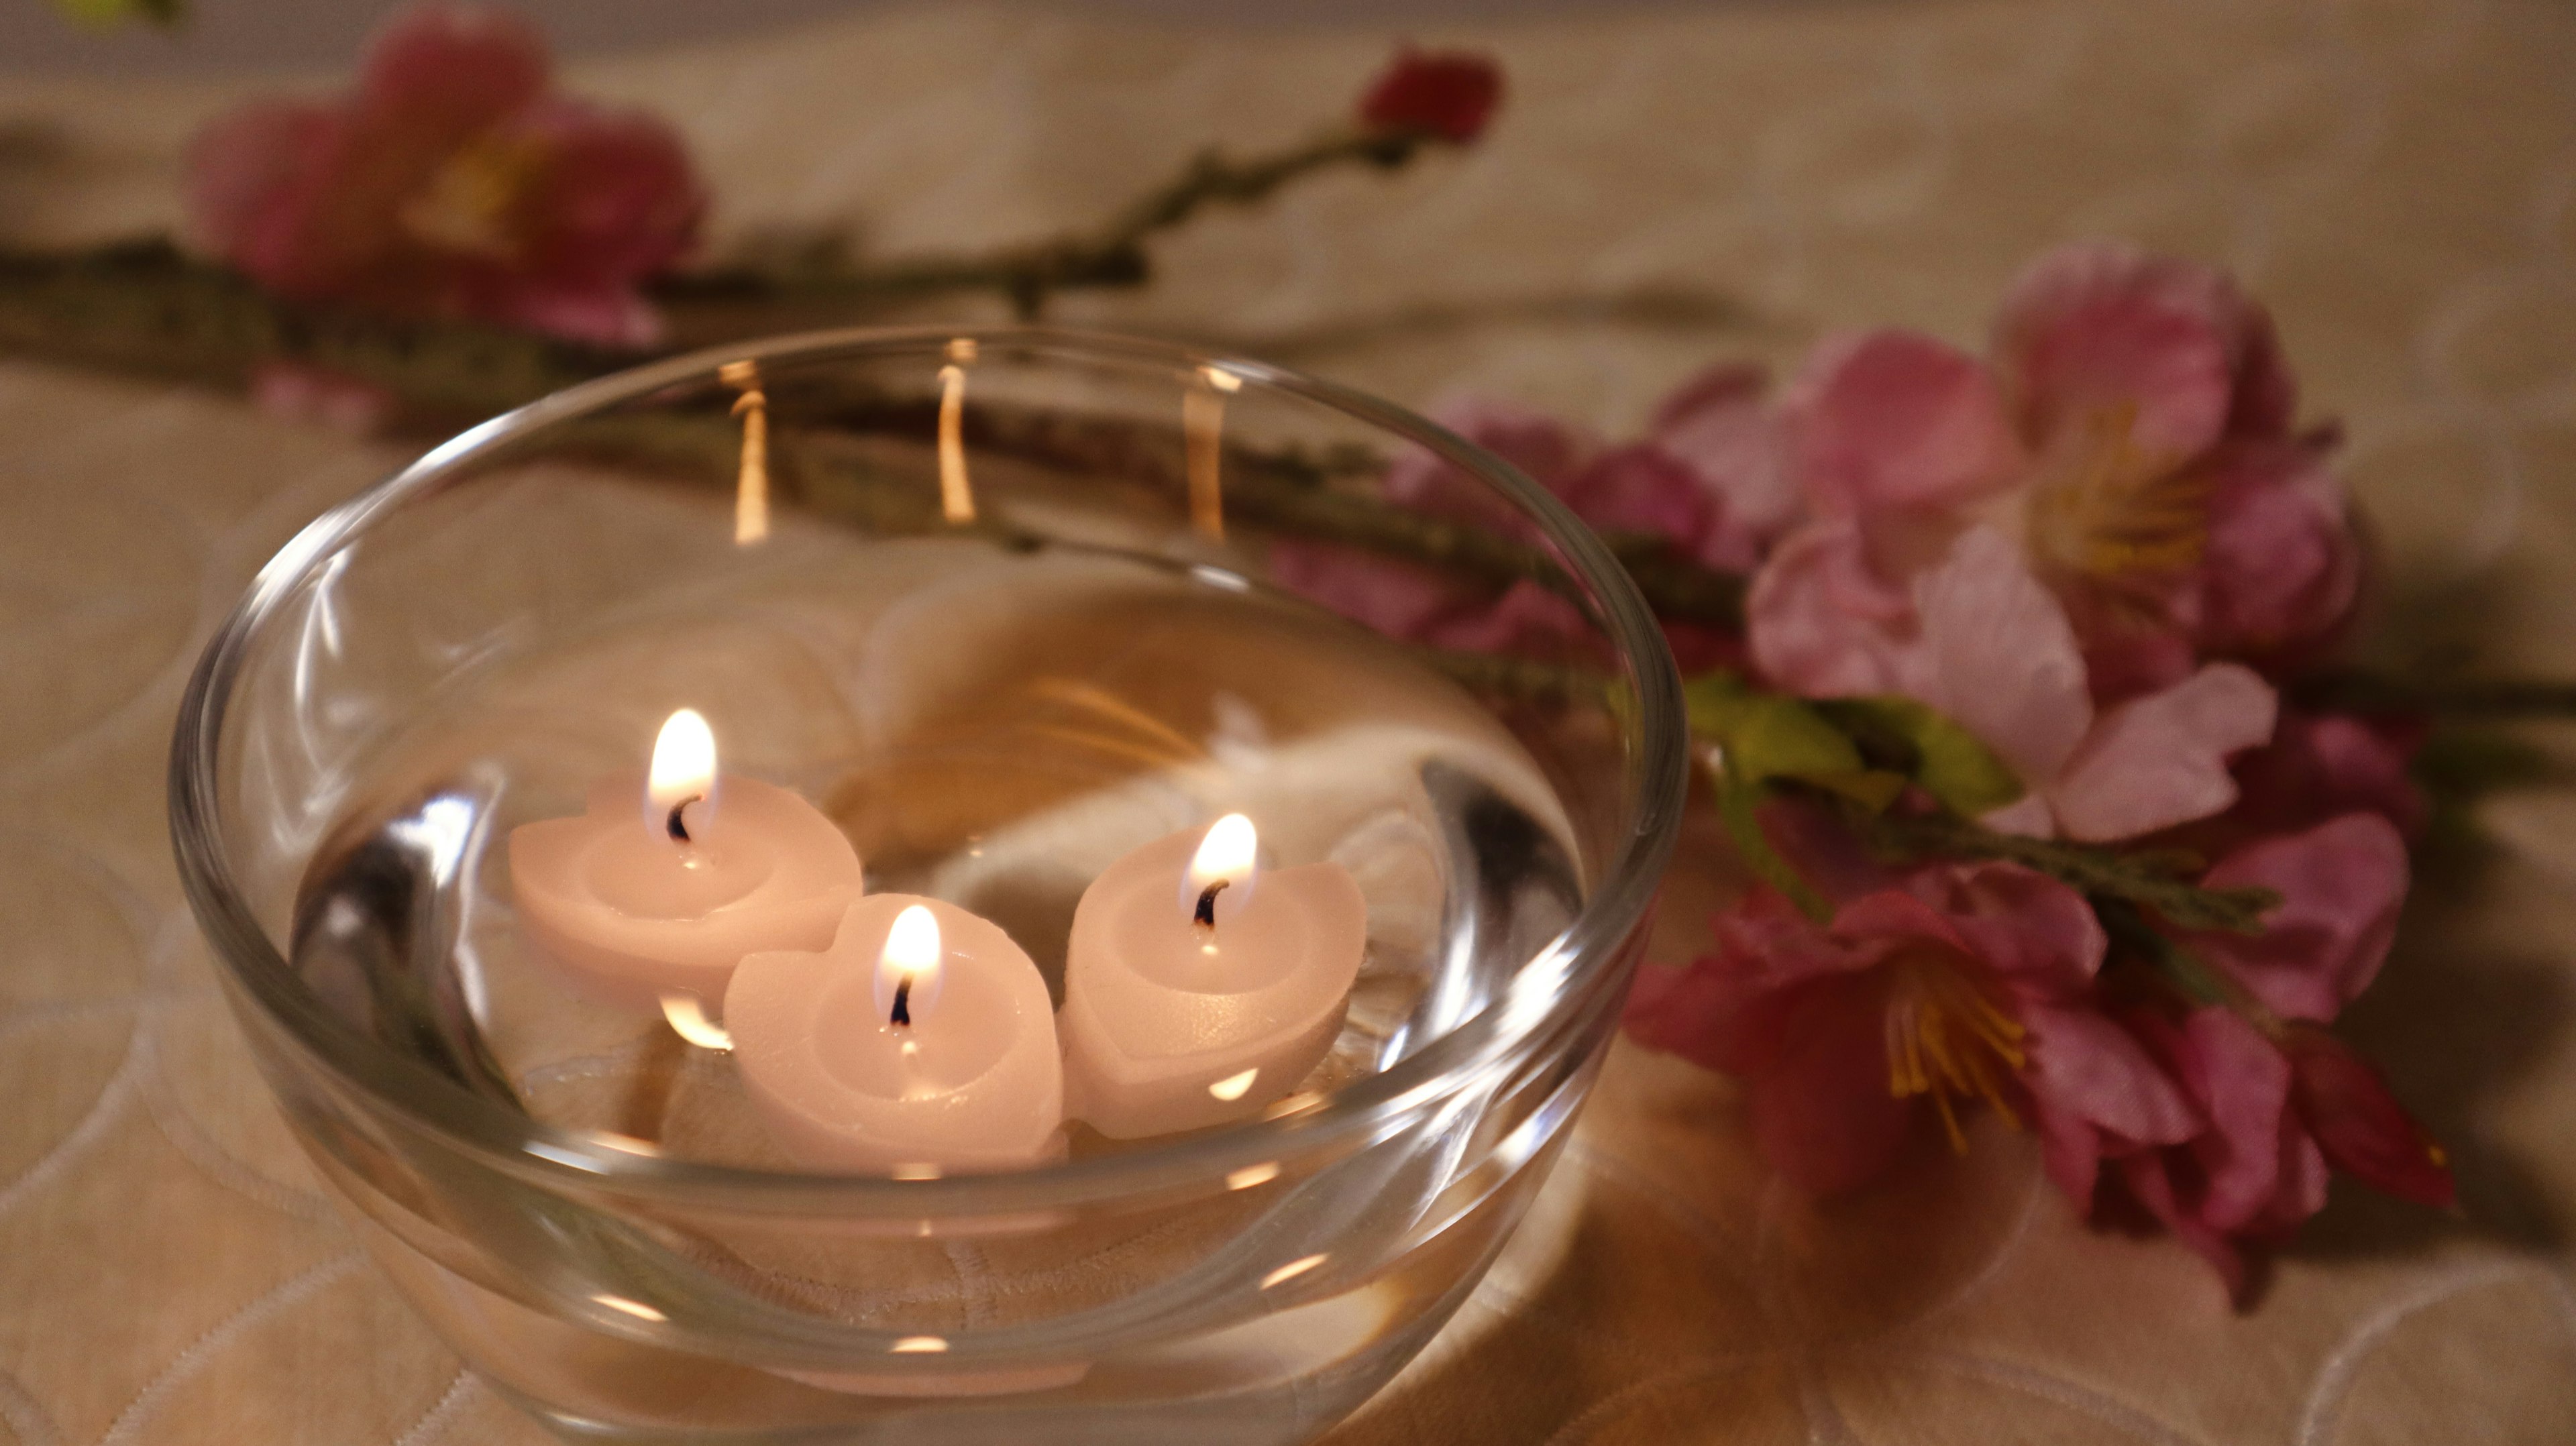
{"type": "Point", "coordinates": [2283, 1100]}
{"type": "Point", "coordinates": [2255, 1174]}
{"type": "Point", "coordinates": [321, 397]}
{"type": "Point", "coordinates": [1975, 635]}
{"type": "Point", "coordinates": [1957, 985]}
{"type": "Point", "coordinates": [2131, 436]}
{"type": "Point", "coordinates": [450, 182]}
{"type": "Point", "coordinates": [1705, 479]}
{"type": "Point", "coordinates": [2316, 767]}
{"type": "Point", "coordinates": [2341, 886]}
{"type": "Point", "coordinates": [1446, 93]}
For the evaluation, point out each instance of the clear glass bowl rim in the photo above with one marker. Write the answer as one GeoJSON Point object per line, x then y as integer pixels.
{"type": "Point", "coordinates": [549, 1155]}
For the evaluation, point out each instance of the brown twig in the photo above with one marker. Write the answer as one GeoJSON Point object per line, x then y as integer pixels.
{"type": "Point", "coordinates": [1111, 254]}
{"type": "Point", "coordinates": [2490, 700]}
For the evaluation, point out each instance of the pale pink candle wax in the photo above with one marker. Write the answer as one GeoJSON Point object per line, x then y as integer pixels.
{"type": "Point", "coordinates": [922, 1038]}
{"type": "Point", "coordinates": [667, 880]}
{"type": "Point", "coordinates": [1200, 988]}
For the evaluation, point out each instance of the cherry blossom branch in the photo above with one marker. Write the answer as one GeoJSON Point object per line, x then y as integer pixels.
{"type": "Point", "coordinates": [2151, 878]}
{"type": "Point", "coordinates": [2360, 690]}
{"type": "Point", "coordinates": [144, 305]}
{"type": "Point", "coordinates": [2156, 879]}
{"type": "Point", "coordinates": [1111, 254]}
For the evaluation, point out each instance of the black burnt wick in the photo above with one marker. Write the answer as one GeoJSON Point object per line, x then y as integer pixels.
{"type": "Point", "coordinates": [680, 830]}
{"type": "Point", "coordinates": [902, 1014]}
{"type": "Point", "coordinates": [1205, 915]}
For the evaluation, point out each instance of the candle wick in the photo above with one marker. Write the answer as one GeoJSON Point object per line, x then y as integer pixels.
{"type": "Point", "coordinates": [1205, 915]}
{"type": "Point", "coordinates": [902, 1015]}
{"type": "Point", "coordinates": [679, 830]}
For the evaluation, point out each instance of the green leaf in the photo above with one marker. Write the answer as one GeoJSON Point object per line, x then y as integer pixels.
{"type": "Point", "coordinates": [1951, 763]}
{"type": "Point", "coordinates": [1766, 735]}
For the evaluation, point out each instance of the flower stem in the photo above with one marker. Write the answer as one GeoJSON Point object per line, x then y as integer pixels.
{"type": "Point", "coordinates": [2150, 878]}
{"type": "Point", "coordinates": [2361, 690]}
{"type": "Point", "coordinates": [1111, 254]}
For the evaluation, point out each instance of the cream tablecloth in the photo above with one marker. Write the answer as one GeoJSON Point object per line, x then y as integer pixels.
{"type": "Point", "coordinates": [2398, 179]}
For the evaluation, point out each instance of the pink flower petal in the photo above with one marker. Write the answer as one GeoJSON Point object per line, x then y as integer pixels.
{"type": "Point", "coordinates": [1892, 419]}
{"type": "Point", "coordinates": [1541, 447]}
{"type": "Point", "coordinates": [1820, 621]}
{"type": "Point", "coordinates": [1527, 618]}
{"type": "Point", "coordinates": [621, 202]}
{"type": "Point", "coordinates": [247, 173]}
{"type": "Point", "coordinates": [1729, 1010]}
{"type": "Point", "coordinates": [1822, 1114]}
{"type": "Point", "coordinates": [2341, 885]}
{"type": "Point", "coordinates": [2104, 331]}
{"type": "Point", "coordinates": [2040, 936]}
{"type": "Point", "coordinates": [2245, 1086]}
{"type": "Point", "coordinates": [2282, 567]}
{"type": "Point", "coordinates": [1719, 390]}
{"type": "Point", "coordinates": [2317, 767]}
{"type": "Point", "coordinates": [1399, 600]}
{"type": "Point", "coordinates": [2149, 1177]}
{"type": "Point", "coordinates": [461, 67]}
{"type": "Point", "coordinates": [2161, 760]}
{"type": "Point", "coordinates": [1721, 426]}
{"type": "Point", "coordinates": [1641, 488]}
{"type": "Point", "coordinates": [2000, 656]}
{"type": "Point", "coordinates": [2267, 396]}
{"type": "Point", "coordinates": [2361, 1128]}
{"type": "Point", "coordinates": [2084, 1067]}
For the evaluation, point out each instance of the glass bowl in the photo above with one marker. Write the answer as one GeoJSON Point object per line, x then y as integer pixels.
{"type": "Point", "coordinates": [1003, 604]}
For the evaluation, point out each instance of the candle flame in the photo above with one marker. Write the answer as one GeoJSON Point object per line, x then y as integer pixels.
{"type": "Point", "coordinates": [688, 1019]}
{"type": "Point", "coordinates": [1227, 860]}
{"type": "Point", "coordinates": [1234, 1086]}
{"type": "Point", "coordinates": [908, 968]}
{"type": "Point", "coordinates": [684, 768]}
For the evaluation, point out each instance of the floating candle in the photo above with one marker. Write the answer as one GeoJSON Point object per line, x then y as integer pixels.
{"type": "Point", "coordinates": [668, 879]}
{"type": "Point", "coordinates": [1199, 987]}
{"type": "Point", "coordinates": [920, 1039]}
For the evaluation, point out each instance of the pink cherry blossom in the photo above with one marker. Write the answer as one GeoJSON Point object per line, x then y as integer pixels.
{"type": "Point", "coordinates": [1980, 639]}
{"type": "Point", "coordinates": [2341, 886]}
{"type": "Point", "coordinates": [1705, 479]}
{"type": "Point", "coordinates": [1449, 94]}
{"type": "Point", "coordinates": [2320, 765]}
{"type": "Point", "coordinates": [2282, 1100]}
{"type": "Point", "coordinates": [1953, 987]}
{"type": "Point", "coordinates": [2255, 1174]}
{"type": "Point", "coordinates": [451, 182]}
{"type": "Point", "coordinates": [2131, 436]}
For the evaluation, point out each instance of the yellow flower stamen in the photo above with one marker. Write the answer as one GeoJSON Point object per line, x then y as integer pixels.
{"type": "Point", "coordinates": [2112, 520]}
{"type": "Point", "coordinates": [1949, 1039]}
{"type": "Point", "coordinates": [467, 205]}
